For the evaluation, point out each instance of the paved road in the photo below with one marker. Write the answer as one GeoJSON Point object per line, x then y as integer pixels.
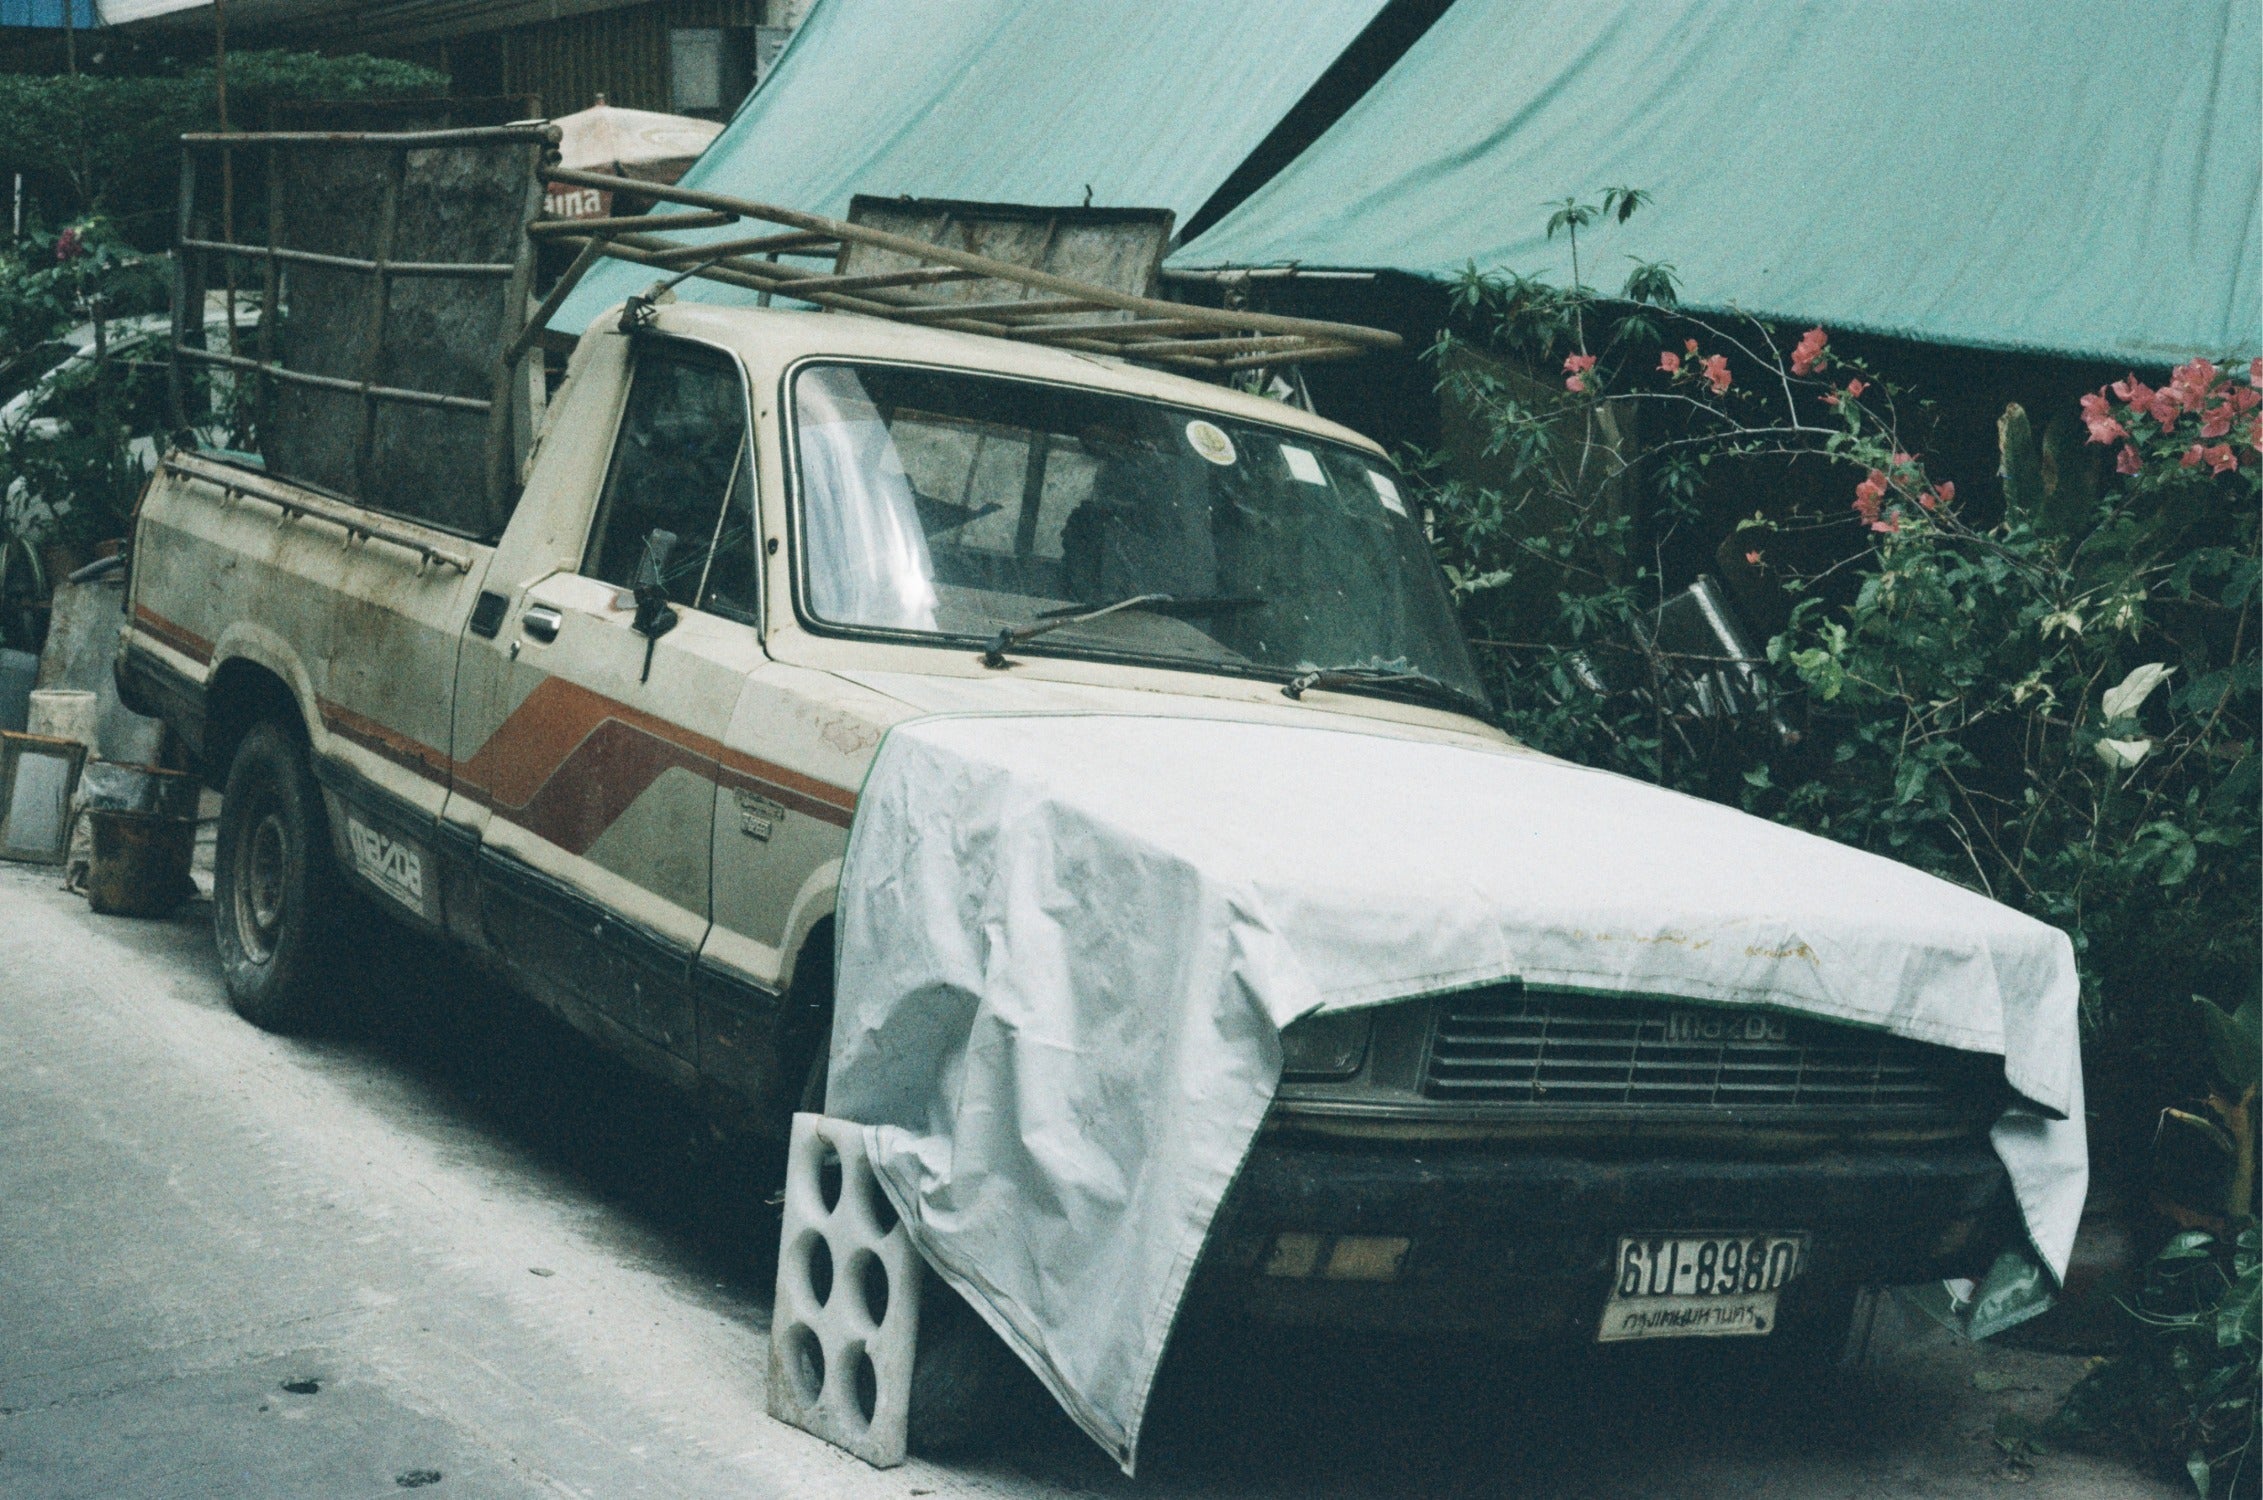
{"type": "Point", "coordinates": [460, 1251]}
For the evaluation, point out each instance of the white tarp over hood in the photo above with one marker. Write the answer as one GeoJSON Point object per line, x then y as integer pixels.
{"type": "Point", "coordinates": [1068, 944]}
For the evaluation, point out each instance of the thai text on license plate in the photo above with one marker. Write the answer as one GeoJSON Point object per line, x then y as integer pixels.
{"type": "Point", "coordinates": [1699, 1286]}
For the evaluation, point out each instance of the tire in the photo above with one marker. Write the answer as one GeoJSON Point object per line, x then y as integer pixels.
{"type": "Point", "coordinates": [277, 894]}
{"type": "Point", "coordinates": [967, 1387]}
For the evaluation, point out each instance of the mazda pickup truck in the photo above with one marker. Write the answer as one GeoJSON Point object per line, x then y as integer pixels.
{"type": "Point", "coordinates": [616, 749]}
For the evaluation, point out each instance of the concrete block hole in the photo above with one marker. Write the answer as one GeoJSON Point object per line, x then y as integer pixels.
{"type": "Point", "coordinates": [847, 1309]}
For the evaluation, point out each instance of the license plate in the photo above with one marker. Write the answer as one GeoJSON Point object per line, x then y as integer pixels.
{"type": "Point", "coordinates": [1699, 1286]}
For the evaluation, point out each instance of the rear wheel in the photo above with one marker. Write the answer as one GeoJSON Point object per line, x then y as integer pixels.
{"type": "Point", "coordinates": [276, 892]}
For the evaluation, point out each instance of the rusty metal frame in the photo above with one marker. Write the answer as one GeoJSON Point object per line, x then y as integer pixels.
{"type": "Point", "coordinates": [1179, 335]}
{"type": "Point", "coordinates": [382, 268]}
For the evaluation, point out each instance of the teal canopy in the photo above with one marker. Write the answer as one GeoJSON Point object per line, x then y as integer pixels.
{"type": "Point", "coordinates": [2070, 176]}
{"type": "Point", "coordinates": [1147, 105]}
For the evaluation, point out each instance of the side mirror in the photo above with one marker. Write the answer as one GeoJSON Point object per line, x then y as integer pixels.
{"type": "Point", "coordinates": [655, 616]}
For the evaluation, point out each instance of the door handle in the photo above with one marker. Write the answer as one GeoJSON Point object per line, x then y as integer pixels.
{"type": "Point", "coordinates": [541, 622]}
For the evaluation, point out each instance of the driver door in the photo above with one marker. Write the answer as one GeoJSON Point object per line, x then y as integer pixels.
{"type": "Point", "coordinates": [596, 742]}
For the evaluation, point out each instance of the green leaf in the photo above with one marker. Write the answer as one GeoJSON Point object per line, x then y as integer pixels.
{"type": "Point", "coordinates": [2235, 1042]}
{"type": "Point", "coordinates": [2196, 1464]}
{"type": "Point", "coordinates": [2239, 1317]}
{"type": "Point", "coordinates": [2192, 1244]}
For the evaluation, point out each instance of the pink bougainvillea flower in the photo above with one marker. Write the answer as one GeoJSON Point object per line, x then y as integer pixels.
{"type": "Point", "coordinates": [2099, 418]}
{"type": "Point", "coordinates": [2243, 399]}
{"type": "Point", "coordinates": [1904, 460]}
{"type": "Point", "coordinates": [2194, 455]}
{"type": "Point", "coordinates": [1830, 400]}
{"type": "Point", "coordinates": [1947, 490]}
{"type": "Point", "coordinates": [1808, 355]}
{"type": "Point", "coordinates": [1753, 558]}
{"type": "Point", "coordinates": [1576, 366]}
{"type": "Point", "coordinates": [1669, 362]}
{"type": "Point", "coordinates": [1716, 372]}
{"type": "Point", "coordinates": [2132, 391]}
{"type": "Point", "coordinates": [2221, 459]}
{"type": "Point", "coordinates": [2166, 407]}
{"type": "Point", "coordinates": [1869, 493]}
{"type": "Point", "coordinates": [2191, 382]}
{"type": "Point", "coordinates": [2255, 371]}
{"type": "Point", "coordinates": [1689, 346]}
{"type": "Point", "coordinates": [69, 245]}
{"type": "Point", "coordinates": [2128, 462]}
{"type": "Point", "coordinates": [1887, 524]}
{"type": "Point", "coordinates": [2216, 420]}
{"type": "Point", "coordinates": [1855, 388]}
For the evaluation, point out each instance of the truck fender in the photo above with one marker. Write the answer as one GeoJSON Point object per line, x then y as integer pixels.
{"type": "Point", "coordinates": [813, 904]}
{"type": "Point", "coordinates": [256, 675]}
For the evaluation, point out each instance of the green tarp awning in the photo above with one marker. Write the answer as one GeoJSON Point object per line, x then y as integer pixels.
{"type": "Point", "coordinates": [1149, 105]}
{"type": "Point", "coordinates": [2072, 176]}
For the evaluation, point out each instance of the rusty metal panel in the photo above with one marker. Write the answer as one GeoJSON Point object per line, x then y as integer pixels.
{"type": "Point", "coordinates": [1118, 248]}
{"type": "Point", "coordinates": [429, 333]}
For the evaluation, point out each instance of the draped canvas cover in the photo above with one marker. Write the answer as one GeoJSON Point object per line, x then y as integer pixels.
{"type": "Point", "coordinates": [1068, 944]}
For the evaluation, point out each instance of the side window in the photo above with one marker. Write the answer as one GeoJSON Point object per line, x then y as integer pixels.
{"type": "Point", "coordinates": [681, 468]}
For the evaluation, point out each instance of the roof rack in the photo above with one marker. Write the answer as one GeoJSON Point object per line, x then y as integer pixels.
{"type": "Point", "coordinates": [1055, 310]}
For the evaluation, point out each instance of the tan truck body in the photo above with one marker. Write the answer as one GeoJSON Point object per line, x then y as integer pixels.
{"type": "Point", "coordinates": [647, 851]}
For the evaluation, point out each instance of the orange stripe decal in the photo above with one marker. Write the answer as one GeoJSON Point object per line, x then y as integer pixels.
{"type": "Point", "coordinates": [183, 640]}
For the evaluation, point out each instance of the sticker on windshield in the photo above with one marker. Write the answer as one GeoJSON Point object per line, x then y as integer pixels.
{"type": "Point", "coordinates": [1302, 464]}
{"type": "Point", "coordinates": [1210, 440]}
{"type": "Point", "coordinates": [1387, 491]}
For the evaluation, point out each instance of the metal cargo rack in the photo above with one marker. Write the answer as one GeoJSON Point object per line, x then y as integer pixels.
{"type": "Point", "coordinates": [497, 188]}
{"type": "Point", "coordinates": [1051, 309]}
{"type": "Point", "coordinates": [355, 226]}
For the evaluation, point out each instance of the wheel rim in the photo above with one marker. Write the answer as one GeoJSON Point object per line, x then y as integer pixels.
{"type": "Point", "coordinates": [261, 871]}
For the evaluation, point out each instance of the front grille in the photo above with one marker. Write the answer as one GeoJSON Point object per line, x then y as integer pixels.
{"type": "Point", "coordinates": [1505, 1045]}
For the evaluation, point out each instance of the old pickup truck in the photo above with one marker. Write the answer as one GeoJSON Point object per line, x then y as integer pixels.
{"type": "Point", "coordinates": [616, 746]}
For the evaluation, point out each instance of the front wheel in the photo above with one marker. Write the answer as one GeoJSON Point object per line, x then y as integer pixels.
{"type": "Point", "coordinates": [276, 890]}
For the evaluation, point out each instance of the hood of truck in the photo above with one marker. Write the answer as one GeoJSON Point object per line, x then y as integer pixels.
{"type": "Point", "coordinates": [1055, 686]}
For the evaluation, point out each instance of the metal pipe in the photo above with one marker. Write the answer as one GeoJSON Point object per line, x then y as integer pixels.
{"type": "Point", "coordinates": [335, 383]}
{"type": "Point", "coordinates": [1375, 338]}
{"type": "Point", "coordinates": [351, 263]}
{"type": "Point", "coordinates": [292, 501]}
{"type": "Point", "coordinates": [1265, 273]}
{"type": "Point", "coordinates": [403, 140]}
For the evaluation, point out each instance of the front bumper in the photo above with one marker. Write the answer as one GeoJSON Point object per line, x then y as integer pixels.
{"type": "Point", "coordinates": [1518, 1243]}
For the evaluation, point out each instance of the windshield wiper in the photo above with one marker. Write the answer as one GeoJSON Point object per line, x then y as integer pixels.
{"type": "Point", "coordinates": [1357, 676]}
{"type": "Point", "coordinates": [994, 655]}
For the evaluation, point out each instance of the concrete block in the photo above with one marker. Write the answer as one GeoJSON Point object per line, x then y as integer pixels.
{"type": "Point", "coordinates": [67, 714]}
{"type": "Point", "coordinates": [82, 642]}
{"type": "Point", "coordinates": [845, 1321]}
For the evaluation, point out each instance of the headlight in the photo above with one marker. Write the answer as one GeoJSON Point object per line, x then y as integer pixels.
{"type": "Point", "coordinates": [1326, 1046]}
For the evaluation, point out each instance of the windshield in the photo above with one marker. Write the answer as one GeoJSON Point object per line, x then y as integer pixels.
{"type": "Point", "coordinates": [962, 505]}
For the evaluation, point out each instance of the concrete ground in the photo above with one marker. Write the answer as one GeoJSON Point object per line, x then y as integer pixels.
{"type": "Point", "coordinates": [459, 1250]}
